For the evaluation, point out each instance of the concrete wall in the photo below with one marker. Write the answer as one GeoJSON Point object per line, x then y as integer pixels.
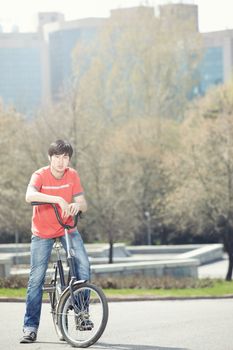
{"type": "Point", "coordinates": [182, 268]}
{"type": "Point", "coordinates": [182, 260]}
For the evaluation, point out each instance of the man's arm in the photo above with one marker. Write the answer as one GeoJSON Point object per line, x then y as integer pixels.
{"type": "Point", "coordinates": [79, 204]}
{"type": "Point", "coordinates": [32, 195]}
{"type": "Point", "coordinates": [81, 201]}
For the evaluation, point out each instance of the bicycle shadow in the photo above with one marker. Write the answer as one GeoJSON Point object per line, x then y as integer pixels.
{"type": "Point", "coordinates": [103, 346]}
{"type": "Point", "coordinates": [112, 346]}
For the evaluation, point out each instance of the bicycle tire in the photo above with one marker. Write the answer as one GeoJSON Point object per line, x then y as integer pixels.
{"type": "Point", "coordinates": [55, 314]}
{"type": "Point", "coordinates": [90, 301]}
{"type": "Point", "coordinates": [54, 292]}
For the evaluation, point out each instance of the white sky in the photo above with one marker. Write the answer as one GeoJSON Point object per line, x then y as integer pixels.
{"type": "Point", "coordinates": [213, 14]}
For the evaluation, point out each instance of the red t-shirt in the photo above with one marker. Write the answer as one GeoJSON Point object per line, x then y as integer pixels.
{"type": "Point", "coordinates": [44, 221]}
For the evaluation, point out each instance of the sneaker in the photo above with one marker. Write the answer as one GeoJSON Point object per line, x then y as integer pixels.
{"type": "Point", "coordinates": [84, 323]}
{"type": "Point", "coordinates": [28, 337]}
{"type": "Point", "coordinates": [87, 325]}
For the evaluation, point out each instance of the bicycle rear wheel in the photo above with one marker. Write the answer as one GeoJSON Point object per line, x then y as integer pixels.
{"type": "Point", "coordinates": [85, 327]}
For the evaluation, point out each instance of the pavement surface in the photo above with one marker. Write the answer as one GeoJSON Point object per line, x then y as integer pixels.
{"type": "Point", "coordinates": [145, 325]}
{"type": "Point", "coordinates": [204, 324]}
{"type": "Point", "coordinates": [216, 269]}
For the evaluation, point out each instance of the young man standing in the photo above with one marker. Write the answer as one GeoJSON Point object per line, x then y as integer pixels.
{"type": "Point", "coordinates": [59, 184]}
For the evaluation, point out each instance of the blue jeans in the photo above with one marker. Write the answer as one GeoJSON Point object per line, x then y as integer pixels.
{"type": "Point", "coordinates": [40, 254]}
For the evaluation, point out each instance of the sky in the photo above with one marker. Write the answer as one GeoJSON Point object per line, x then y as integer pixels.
{"type": "Point", "coordinates": [213, 14]}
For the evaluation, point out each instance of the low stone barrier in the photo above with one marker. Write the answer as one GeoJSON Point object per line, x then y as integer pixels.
{"type": "Point", "coordinates": [14, 247]}
{"type": "Point", "coordinates": [162, 249]}
{"type": "Point", "coordinates": [20, 254]}
{"type": "Point", "coordinates": [122, 254]}
{"type": "Point", "coordinates": [205, 254]}
{"type": "Point", "coordinates": [120, 250]}
{"type": "Point", "coordinates": [5, 265]}
{"type": "Point", "coordinates": [180, 268]}
{"type": "Point", "coordinates": [180, 260]}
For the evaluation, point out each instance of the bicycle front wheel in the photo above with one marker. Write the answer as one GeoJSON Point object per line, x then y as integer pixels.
{"type": "Point", "coordinates": [85, 325]}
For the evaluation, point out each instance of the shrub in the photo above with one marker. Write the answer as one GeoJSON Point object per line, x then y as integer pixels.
{"type": "Point", "coordinates": [145, 282]}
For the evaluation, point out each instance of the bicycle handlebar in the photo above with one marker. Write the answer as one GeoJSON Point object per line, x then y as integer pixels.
{"type": "Point", "coordinates": [68, 227]}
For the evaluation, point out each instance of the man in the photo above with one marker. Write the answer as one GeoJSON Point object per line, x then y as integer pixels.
{"type": "Point", "coordinates": [59, 184]}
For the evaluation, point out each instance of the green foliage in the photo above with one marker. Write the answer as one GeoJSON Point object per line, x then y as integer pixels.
{"type": "Point", "coordinates": [138, 66]}
{"type": "Point", "coordinates": [141, 287]}
{"type": "Point", "coordinates": [150, 282]}
{"type": "Point", "coordinates": [14, 172]}
{"type": "Point", "coordinates": [13, 282]}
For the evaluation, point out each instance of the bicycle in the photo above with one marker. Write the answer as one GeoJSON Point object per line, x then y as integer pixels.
{"type": "Point", "coordinates": [79, 308]}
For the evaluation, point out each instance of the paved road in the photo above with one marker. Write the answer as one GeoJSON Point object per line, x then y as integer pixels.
{"type": "Point", "coordinates": [144, 325]}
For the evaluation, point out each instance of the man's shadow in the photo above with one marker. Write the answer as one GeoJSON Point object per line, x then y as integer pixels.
{"type": "Point", "coordinates": [103, 346]}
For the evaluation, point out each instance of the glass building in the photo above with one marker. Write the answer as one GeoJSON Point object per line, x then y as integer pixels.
{"type": "Point", "coordinates": [20, 71]}
{"type": "Point", "coordinates": [61, 45]}
{"type": "Point", "coordinates": [211, 69]}
{"type": "Point", "coordinates": [36, 67]}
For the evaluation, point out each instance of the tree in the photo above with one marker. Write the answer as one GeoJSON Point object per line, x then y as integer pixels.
{"type": "Point", "coordinates": [146, 150]}
{"type": "Point", "coordinates": [14, 175]}
{"type": "Point", "coordinates": [203, 199]}
{"type": "Point", "coordinates": [140, 66]}
{"type": "Point", "coordinates": [109, 196]}
{"type": "Point", "coordinates": [136, 68]}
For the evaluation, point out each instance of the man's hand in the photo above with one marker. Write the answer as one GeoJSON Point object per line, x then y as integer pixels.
{"type": "Point", "coordinates": [64, 207]}
{"type": "Point", "coordinates": [74, 208]}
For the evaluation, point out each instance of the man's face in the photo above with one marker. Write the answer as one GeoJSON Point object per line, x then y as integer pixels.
{"type": "Point", "coordinates": [59, 162]}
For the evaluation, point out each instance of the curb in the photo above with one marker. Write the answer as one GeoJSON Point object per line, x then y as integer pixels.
{"type": "Point", "coordinates": [152, 298]}
{"type": "Point", "coordinates": [133, 298]}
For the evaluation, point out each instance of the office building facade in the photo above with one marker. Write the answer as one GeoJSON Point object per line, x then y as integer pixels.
{"type": "Point", "coordinates": [36, 67]}
{"type": "Point", "coordinates": [20, 70]}
{"type": "Point", "coordinates": [62, 40]}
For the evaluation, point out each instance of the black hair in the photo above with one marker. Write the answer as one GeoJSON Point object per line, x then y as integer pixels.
{"type": "Point", "coordinates": [60, 147]}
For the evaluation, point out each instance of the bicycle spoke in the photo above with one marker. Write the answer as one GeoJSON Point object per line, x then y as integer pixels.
{"type": "Point", "coordinates": [84, 325]}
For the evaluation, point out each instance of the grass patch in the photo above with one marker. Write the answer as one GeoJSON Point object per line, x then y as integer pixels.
{"type": "Point", "coordinates": [163, 287]}
{"type": "Point", "coordinates": [12, 293]}
{"type": "Point", "coordinates": [218, 289]}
